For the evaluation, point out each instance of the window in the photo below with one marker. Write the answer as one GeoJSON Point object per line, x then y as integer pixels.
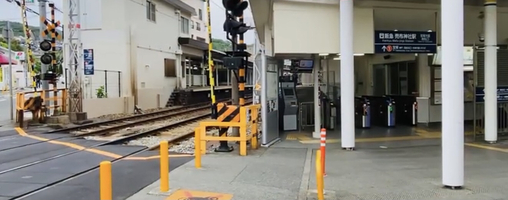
{"type": "Point", "coordinates": [192, 24]}
{"type": "Point", "coordinates": [200, 13]}
{"type": "Point", "coordinates": [150, 11]}
{"type": "Point", "coordinates": [198, 26]}
{"type": "Point", "coordinates": [201, 39]}
{"type": "Point", "coordinates": [185, 25]}
{"type": "Point", "coordinates": [169, 67]}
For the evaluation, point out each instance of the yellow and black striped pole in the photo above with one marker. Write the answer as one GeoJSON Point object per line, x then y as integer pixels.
{"type": "Point", "coordinates": [211, 67]}
{"type": "Point", "coordinates": [53, 49]}
{"type": "Point", "coordinates": [241, 71]}
{"type": "Point", "coordinates": [53, 36]}
{"type": "Point", "coordinates": [29, 58]}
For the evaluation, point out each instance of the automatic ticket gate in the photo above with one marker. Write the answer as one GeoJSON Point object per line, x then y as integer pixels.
{"type": "Point", "coordinates": [290, 114]}
{"type": "Point", "coordinates": [362, 112]}
{"type": "Point", "coordinates": [328, 112]}
{"type": "Point", "coordinates": [406, 109]}
{"type": "Point", "coordinates": [383, 110]}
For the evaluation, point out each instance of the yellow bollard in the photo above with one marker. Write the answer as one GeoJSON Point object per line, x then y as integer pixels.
{"type": "Point", "coordinates": [164, 162]}
{"type": "Point", "coordinates": [197, 148]}
{"type": "Point", "coordinates": [319, 177]}
{"type": "Point", "coordinates": [105, 180]}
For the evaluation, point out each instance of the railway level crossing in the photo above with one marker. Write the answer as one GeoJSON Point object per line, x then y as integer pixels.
{"type": "Point", "coordinates": [236, 61]}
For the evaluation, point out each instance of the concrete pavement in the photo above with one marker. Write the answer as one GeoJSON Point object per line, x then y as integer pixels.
{"type": "Point", "coordinates": [377, 170]}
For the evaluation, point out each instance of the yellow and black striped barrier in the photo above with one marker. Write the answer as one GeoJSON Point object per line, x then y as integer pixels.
{"type": "Point", "coordinates": [33, 102]}
{"type": "Point", "coordinates": [244, 118]}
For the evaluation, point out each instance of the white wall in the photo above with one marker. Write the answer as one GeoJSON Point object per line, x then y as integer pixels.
{"type": "Point", "coordinates": [111, 54]}
{"type": "Point", "coordinates": [199, 4]}
{"type": "Point", "coordinates": [154, 41]}
{"type": "Point", "coordinates": [314, 28]}
{"type": "Point", "coordinates": [269, 40]}
{"type": "Point", "coordinates": [115, 105]}
{"type": "Point", "coordinates": [125, 40]}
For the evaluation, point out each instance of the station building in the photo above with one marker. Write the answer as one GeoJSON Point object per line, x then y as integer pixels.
{"type": "Point", "coordinates": [369, 56]}
{"type": "Point", "coordinates": [390, 56]}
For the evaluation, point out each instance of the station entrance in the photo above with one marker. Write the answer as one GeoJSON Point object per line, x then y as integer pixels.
{"type": "Point", "coordinates": [397, 78]}
{"type": "Point", "coordinates": [395, 90]}
{"type": "Point", "coordinates": [403, 99]}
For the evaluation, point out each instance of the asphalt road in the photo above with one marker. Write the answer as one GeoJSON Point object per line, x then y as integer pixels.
{"type": "Point", "coordinates": [4, 110]}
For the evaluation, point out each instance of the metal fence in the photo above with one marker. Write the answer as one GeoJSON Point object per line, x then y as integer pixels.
{"type": "Point", "coordinates": [103, 84]}
{"type": "Point", "coordinates": [479, 118]}
{"type": "Point", "coordinates": [306, 115]}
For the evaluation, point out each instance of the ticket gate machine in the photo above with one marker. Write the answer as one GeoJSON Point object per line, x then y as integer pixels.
{"type": "Point", "coordinates": [290, 113]}
{"type": "Point", "coordinates": [362, 112]}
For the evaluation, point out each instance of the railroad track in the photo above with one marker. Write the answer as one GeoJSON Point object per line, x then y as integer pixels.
{"type": "Point", "coordinates": [171, 132]}
{"type": "Point", "coordinates": [103, 127]}
{"type": "Point", "coordinates": [172, 125]}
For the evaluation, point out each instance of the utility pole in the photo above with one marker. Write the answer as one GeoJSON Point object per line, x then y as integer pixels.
{"type": "Point", "coordinates": [44, 67]}
{"type": "Point", "coordinates": [8, 34]}
{"type": "Point", "coordinates": [74, 60]}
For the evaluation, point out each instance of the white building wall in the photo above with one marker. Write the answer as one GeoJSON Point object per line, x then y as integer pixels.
{"type": "Point", "coordinates": [154, 42]}
{"type": "Point", "coordinates": [202, 22]}
{"type": "Point", "coordinates": [314, 28]}
{"type": "Point", "coordinates": [125, 40]}
{"type": "Point", "coordinates": [268, 40]}
{"type": "Point", "coordinates": [111, 54]}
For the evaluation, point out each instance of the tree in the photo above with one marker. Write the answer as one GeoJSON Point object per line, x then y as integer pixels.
{"type": "Point", "coordinates": [15, 46]}
{"type": "Point", "coordinates": [59, 64]}
{"type": "Point", "coordinates": [17, 28]}
{"type": "Point", "coordinates": [221, 45]}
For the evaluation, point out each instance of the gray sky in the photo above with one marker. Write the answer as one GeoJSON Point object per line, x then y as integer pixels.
{"type": "Point", "coordinates": [11, 12]}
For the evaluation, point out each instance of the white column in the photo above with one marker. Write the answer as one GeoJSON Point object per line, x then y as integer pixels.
{"type": "Point", "coordinates": [423, 75]}
{"type": "Point", "coordinates": [347, 82]}
{"type": "Point", "coordinates": [452, 22]}
{"type": "Point", "coordinates": [317, 108]}
{"type": "Point", "coordinates": [490, 71]}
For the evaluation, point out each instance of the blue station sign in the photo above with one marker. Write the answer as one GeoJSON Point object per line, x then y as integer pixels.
{"type": "Point", "coordinates": [502, 94]}
{"type": "Point", "coordinates": [405, 42]}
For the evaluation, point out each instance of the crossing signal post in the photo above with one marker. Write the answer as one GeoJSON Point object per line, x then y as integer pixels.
{"type": "Point", "coordinates": [236, 59]}
{"type": "Point", "coordinates": [47, 59]}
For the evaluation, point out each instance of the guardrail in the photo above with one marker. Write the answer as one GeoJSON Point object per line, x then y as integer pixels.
{"type": "Point", "coordinates": [34, 102]}
{"type": "Point", "coordinates": [248, 117]}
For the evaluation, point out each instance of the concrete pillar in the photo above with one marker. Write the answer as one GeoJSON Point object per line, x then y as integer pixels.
{"type": "Point", "coordinates": [317, 107]}
{"type": "Point", "coordinates": [423, 75]}
{"type": "Point", "coordinates": [452, 22]}
{"type": "Point", "coordinates": [490, 71]}
{"type": "Point", "coordinates": [347, 82]}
